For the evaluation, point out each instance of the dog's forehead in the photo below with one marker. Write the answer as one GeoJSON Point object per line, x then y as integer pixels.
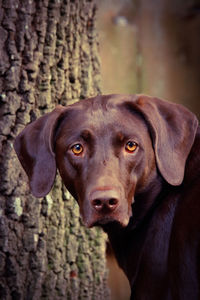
{"type": "Point", "coordinates": [101, 114]}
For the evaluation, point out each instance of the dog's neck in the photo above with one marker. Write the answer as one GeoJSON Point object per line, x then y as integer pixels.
{"type": "Point", "coordinates": [145, 201]}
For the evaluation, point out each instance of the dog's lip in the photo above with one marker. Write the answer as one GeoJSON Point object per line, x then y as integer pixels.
{"type": "Point", "coordinates": [106, 220]}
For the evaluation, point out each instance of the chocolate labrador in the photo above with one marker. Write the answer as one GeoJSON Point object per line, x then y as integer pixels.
{"type": "Point", "coordinates": [133, 165]}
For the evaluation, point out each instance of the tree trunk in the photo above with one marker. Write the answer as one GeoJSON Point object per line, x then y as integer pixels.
{"type": "Point", "coordinates": [48, 56]}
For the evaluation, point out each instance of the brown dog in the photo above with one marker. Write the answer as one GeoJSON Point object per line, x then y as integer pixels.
{"type": "Point", "coordinates": [133, 165]}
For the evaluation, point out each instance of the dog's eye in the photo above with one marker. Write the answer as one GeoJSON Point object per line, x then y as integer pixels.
{"type": "Point", "coordinates": [77, 149]}
{"type": "Point", "coordinates": [131, 146]}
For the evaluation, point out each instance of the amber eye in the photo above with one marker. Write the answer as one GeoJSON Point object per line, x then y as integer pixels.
{"type": "Point", "coordinates": [77, 149]}
{"type": "Point", "coordinates": [131, 146]}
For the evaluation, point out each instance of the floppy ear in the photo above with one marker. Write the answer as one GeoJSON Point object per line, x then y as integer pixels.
{"type": "Point", "coordinates": [173, 129]}
{"type": "Point", "coordinates": [34, 148]}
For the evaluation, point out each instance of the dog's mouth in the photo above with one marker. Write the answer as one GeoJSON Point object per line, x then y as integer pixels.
{"type": "Point", "coordinates": [104, 207]}
{"type": "Point", "coordinates": [106, 221]}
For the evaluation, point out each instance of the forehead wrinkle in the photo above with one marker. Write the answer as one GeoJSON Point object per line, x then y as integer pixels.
{"type": "Point", "coordinates": [98, 119]}
{"type": "Point", "coordinates": [104, 122]}
{"type": "Point", "coordinates": [111, 122]}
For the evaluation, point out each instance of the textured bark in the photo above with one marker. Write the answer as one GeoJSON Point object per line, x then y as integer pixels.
{"type": "Point", "coordinates": [48, 56]}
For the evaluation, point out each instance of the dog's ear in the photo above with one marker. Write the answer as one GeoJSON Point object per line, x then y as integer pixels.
{"type": "Point", "coordinates": [173, 129]}
{"type": "Point", "coordinates": [34, 147]}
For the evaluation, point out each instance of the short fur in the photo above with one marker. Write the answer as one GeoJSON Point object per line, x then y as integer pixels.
{"type": "Point", "coordinates": [146, 200]}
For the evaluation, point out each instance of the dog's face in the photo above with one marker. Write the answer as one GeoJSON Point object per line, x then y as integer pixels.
{"type": "Point", "coordinates": [108, 149]}
{"type": "Point", "coordinates": [104, 154]}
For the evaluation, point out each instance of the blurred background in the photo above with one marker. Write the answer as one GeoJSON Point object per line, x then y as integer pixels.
{"type": "Point", "coordinates": [151, 47]}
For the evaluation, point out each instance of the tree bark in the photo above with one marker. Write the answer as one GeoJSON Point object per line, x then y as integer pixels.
{"type": "Point", "coordinates": [48, 56]}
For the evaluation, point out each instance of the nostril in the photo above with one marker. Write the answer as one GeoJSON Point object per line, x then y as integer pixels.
{"type": "Point", "coordinates": [112, 203]}
{"type": "Point", "coordinates": [98, 204]}
{"type": "Point", "coordinates": [102, 204]}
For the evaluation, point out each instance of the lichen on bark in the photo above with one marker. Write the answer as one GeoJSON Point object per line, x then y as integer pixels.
{"type": "Point", "coordinates": [49, 56]}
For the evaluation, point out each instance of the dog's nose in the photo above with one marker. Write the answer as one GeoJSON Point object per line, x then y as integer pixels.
{"type": "Point", "coordinates": [105, 203]}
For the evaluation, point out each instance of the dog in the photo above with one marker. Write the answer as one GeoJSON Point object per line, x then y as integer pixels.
{"type": "Point", "coordinates": [133, 165]}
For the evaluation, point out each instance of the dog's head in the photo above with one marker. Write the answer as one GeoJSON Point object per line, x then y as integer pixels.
{"type": "Point", "coordinates": [107, 149]}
